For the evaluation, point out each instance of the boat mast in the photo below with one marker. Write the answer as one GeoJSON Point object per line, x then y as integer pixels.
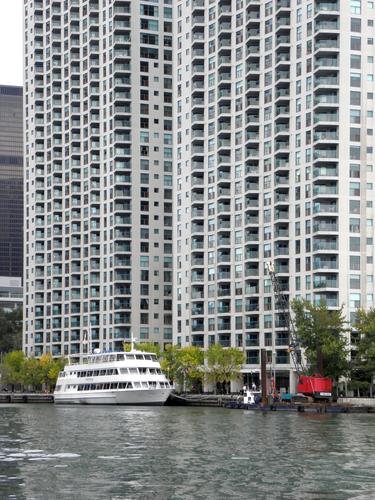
{"type": "Point", "coordinates": [132, 342]}
{"type": "Point", "coordinates": [89, 339]}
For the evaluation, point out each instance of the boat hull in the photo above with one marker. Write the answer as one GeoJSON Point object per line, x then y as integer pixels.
{"type": "Point", "coordinates": [127, 397]}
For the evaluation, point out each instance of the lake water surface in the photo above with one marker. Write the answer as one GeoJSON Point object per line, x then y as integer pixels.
{"type": "Point", "coordinates": [91, 452]}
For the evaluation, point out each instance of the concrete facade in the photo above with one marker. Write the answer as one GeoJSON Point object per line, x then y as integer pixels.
{"type": "Point", "coordinates": [274, 162]}
{"type": "Point", "coordinates": [98, 185]}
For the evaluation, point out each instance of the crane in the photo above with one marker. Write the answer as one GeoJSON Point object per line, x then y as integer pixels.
{"type": "Point", "coordinates": [316, 386]}
{"type": "Point", "coordinates": [283, 303]}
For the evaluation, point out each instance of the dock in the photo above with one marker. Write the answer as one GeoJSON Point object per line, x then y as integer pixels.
{"type": "Point", "coordinates": [348, 405]}
{"type": "Point", "coordinates": [25, 397]}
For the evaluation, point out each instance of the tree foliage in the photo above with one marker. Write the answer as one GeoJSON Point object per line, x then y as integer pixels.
{"type": "Point", "coordinates": [149, 347]}
{"type": "Point", "coordinates": [33, 373]}
{"type": "Point", "coordinates": [10, 330]}
{"type": "Point", "coordinates": [189, 369]}
{"type": "Point", "coordinates": [223, 365]}
{"type": "Point", "coordinates": [363, 364]}
{"type": "Point", "coordinates": [12, 369]}
{"type": "Point", "coordinates": [168, 362]}
{"type": "Point", "coordinates": [321, 329]}
{"type": "Point", "coordinates": [183, 365]}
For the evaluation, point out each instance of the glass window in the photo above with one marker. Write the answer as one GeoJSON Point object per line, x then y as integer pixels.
{"type": "Point", "coordinates": [355, 43]}
{"type": "Point", "coordinates": [355, 98]}
{"type": "Point", "coordinates": [355, 116]}
{"type": "Point", "coordinates": [355, 6]}
{"type": "Point", "coordinates": [355, 24]}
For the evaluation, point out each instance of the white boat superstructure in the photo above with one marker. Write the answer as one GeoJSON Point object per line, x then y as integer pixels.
{"type": "Point", "coordinates": [116, 378]}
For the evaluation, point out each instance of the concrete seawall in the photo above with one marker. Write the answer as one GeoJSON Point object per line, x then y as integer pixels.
{"type": "Point", "coordinates": [25, 397]}
{"type": "Point", "coordinates": [357, 401]}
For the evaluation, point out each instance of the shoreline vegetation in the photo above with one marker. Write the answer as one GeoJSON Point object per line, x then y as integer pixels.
{"type": "Point", "coordinates": [185, 366]}
{"type": "Point", "coordinates": [319, 329]}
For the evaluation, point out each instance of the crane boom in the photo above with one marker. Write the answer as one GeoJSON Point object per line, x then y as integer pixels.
{"type": "Point", "coordinates": [283, 305]}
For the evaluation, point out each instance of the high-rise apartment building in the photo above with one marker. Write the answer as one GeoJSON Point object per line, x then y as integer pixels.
{"type": "Point", "coordinates": [274, 162]}
{"type": "Point", "coordinates": [98, 183]}
{"type": "Point", "coordinates": [11, 182]}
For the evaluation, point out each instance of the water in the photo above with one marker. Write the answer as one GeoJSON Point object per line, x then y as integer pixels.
{"type": "Point", "coordinates": [88, 452]}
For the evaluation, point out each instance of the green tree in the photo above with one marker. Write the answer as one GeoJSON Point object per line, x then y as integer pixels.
{"type": "Point", "coordinates": [189, 368]}
{"type": "Point", "coordinates": [32, 373]}
{"type": "Point", "coordinates": [321, 333]}
{"type": "Point", "coordinates": [168, 361]}
{"type": "Point", "coordinates": [46, 362]}
{"type": "Point", "coordinates": [12, 369]}
{"type": "Point", "coordinates": [363, 363]}
{"type": "Point", "coordinates": [10, 330]}
{"type": "Point", "coordinates": [223, 365]}
{"type": "Point", "coordinates": [56, 367]}
{"type": "Point", "coordinates": [149, 347]}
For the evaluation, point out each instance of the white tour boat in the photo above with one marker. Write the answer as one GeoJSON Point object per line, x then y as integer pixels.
{"type": "Point", "coordinates": [113, 378]}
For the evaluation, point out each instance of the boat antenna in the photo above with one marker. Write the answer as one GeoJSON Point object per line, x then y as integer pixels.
{"type": "Point", "coordinates": [89, 340]}
{"type": "Point", "coordinates": [132, 342]}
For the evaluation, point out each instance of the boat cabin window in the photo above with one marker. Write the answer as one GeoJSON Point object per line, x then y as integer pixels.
{"type": "Point", "coordinates": [99, 373]}
{"type": "Point", "coordinates": [112, 357]}
{"type": "Point", "coordinates": [116, 385]}
{"type": "Point", "coordinates": [133, 370]}
{"type": "Point", "coordinates": [120, 357]}
{"type": "Point", "coordinates": [152, 371]}
{"type": "Point", "coordinates": [147, 356]}
{"type": "Point", "coordinates": [123, 370]}
{"type": "Point", "coordinates": [142, 371]}
{"type": "Point", "coordinates": [139, 356]}
{"type": "Point", "coordinates": [130, 356]}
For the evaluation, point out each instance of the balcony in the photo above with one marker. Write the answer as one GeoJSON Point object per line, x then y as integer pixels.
{"type": "Point", "coordinates": [320, 208]}
{"type": "Point", "coordinates": [329, 300]}
{"type": "Point", "coordinates": [282, 21]}
{"type": "Point", "coordinates": [325, 154]}
{"type": "Point", "coordinates": [282, 358]}
{"type": "Point", "coordinates": [327, 26]}
{"type": "Point", "coordinates": [325, 263]}
{"type": "Point", "coordinates": [325, 282]}
{"type": "Point", "coordinates": [282, 4]}
{"type": "Point", "coordinates": [325, 245]}
{"type": "Point", "coordinates": [326, 117]}
{"type": "Point", "coordinates": [325, 172]}
{"type": "Point", "coordinates": [326, 135]}
{"type": "Point", "coordinates": [283, 40]}
{"type": "Point", "coordinates": [330, 43]}
{"type": "Point", "coordinates": [223, 292]}
{"type": "Point", "coordinates": [323, 190]}
{"type": "Point", "coordinates": [224, 341]}
{"type": "Point", "coordinates": [326, 80]}
{"type": "Point", "coordinates": [327, 7]}
{"type": "Point", "coordinates": [328, 62]}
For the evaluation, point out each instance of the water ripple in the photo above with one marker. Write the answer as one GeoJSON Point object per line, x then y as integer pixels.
{"type": "Point", "coordinates": [181, 453]}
